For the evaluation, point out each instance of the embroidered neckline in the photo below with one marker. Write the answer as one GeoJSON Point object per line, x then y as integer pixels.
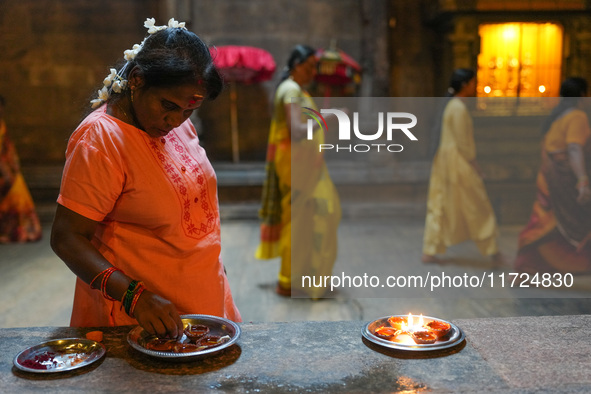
{"type": "Point", "coordinates": [177, 177]}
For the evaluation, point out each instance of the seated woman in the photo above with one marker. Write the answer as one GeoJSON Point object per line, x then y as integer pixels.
{"type": "Point", "coordinates": [18, 220]}
{"type": "Point", "coordinates": [558, 235]}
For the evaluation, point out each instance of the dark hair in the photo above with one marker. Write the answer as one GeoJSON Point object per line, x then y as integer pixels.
{"type": "Point", "coordinates": [299, 54]}
{"type": "Point", "coordinates": [2, 100]}
{"type": "Point", "coordinates": [174, 56]}
{"type": "Point", "coordinates": [571, 90]}
{"type": "Point", "coordinates": [459, 77]}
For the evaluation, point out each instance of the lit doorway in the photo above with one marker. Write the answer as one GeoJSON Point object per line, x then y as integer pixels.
{"type": "Point", "coordinates": [520, 60]}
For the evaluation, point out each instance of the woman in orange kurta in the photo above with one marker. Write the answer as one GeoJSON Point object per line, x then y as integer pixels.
{"type": "Point", "coordinates": [558, 235]}
{"type": "Point", "coordinates": [138, 200]}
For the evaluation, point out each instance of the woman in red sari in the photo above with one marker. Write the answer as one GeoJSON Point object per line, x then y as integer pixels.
{"type": "Point", "coordinates": [558, 235]}
{"type": "Point", "coordinates": [18, 220]}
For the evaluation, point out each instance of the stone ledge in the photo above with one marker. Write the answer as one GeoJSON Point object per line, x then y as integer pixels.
{"type": "Point", "coordinates": [509, 355]}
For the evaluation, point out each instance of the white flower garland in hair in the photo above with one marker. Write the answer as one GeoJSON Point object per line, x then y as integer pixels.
{"type": "Point", "coordinates": [114, 82]}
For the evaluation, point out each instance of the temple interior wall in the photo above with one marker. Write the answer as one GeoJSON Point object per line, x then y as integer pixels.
{"type": "Point", "coordinates": [55, 54]}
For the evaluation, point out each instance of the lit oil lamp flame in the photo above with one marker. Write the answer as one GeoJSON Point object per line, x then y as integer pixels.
{"type": "Point", "coordinates": [407, 328]}
{"type": "Point", "coordinates": [411, 327]}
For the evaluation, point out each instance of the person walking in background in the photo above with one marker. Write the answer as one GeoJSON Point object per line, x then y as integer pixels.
{"type": "Point", "coordinates": [458, 208]}
{"type": "Point", "coordinates": [18, 219]}
{"type": "Point", "coordinates": [138, 218]}
{"type": "Point", "coordinates": [557, 237]}
{"type": "Point", "coordinates": [300, 209]}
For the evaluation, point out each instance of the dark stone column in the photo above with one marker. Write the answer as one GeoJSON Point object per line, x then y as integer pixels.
{"type": "Point", "coordinates": [413, 52]}
{"type": "Point", "coordinates": [464, 43]}
{"type": "Point", "coordinates": [374, 48]}
{"type": "Point", "coordinates": [578, 48]}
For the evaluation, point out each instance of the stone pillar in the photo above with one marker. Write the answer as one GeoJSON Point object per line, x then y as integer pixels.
{"type": "Point", "coordinates": [465, 43]}
{"type": "Point", "coordinates": [415, 60]}
{"type": "Point", "coordinates": [374, 47]}
{"type": "Point", "coordinates": [177, 9]}
{"type": "Point", "coordinates": [578, 48]}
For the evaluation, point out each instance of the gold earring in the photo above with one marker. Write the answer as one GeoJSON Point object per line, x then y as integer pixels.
{"type": "Point", "coordinates": [132, 94]}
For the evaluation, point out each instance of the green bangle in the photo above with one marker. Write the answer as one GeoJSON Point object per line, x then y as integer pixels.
{"type": "Point", "coordinates": [128, 298]}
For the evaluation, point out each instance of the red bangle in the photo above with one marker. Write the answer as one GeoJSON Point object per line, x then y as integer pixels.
{"type": "Point", "coordinates": [96, 277]}
{"type": "Point", "coordinates": [106, 275]}
{"type": "Point", "coordinates": [104, 283]}
{"type": "Point", "coordinates": [138, 292]}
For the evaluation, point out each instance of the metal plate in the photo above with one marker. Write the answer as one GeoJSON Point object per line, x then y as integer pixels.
{"type": "Point", "coordinates": [59, 355]}
{"type": "Point", "coordinates": [455, 337]}
{"type": "Point", "coordinates": [138, 337]}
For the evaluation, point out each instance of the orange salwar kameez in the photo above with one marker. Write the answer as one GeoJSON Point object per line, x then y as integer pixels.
{"type": "Point", "coordinates": [155, 201]}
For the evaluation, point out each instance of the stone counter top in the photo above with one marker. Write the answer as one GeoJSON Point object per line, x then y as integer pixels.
{"type": "Point", "coordinates": [526, 354]}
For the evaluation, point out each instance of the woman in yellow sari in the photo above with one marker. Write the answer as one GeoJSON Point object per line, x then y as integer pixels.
{"type": "Point", "coordinates": [300, 208]}
{"type": "Point", "coordinates": [18, 220]}
{"type": "Point", "coordinates": [458, 208]}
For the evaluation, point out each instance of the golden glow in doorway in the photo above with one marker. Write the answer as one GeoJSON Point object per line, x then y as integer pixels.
{"type": "Point", "coordinates": [519, 60]}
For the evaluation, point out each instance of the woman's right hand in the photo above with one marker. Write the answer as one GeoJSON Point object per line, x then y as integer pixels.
{"type": "Point", "coordinates": [584, 194]}
{"type": "Point", "coordinates": [158, 316]}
